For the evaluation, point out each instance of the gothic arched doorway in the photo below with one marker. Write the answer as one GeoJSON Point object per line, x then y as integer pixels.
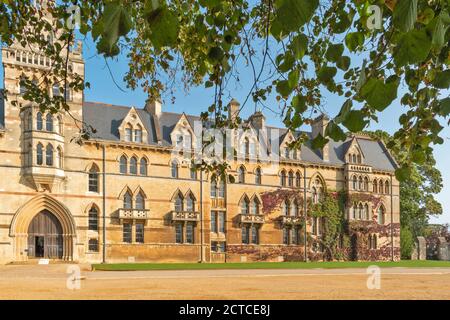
{"type": "Point", "coordinates": [32, 218]}
{"type": "Point", "coordinates": [45, 238]}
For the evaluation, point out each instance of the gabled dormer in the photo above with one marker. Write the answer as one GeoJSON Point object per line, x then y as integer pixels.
{"type": "Point", "coordinates": [247, 143]}
{"type": "Point", "coordinates": [354, 153]}
{"type": "Point", "coordinates": [182, 135]}
{"type": "Point", "coordinates": [132, 128]}
{"type": "Point", "coordinates": [285, 151]}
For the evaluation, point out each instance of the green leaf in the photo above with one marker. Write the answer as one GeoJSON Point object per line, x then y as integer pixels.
{"type": "Point", "coordinates": [442, 80]}
{"type": "Point", "coordinates": [215, 54]}
{"type": "Point", "coordinates": [355, 121]}
{"type": "Point", "coordinates": [405, 14]}
{"type": "Point", "coordinates": [319, 142]}
{"type": "Point", "coordinates": [326, 74]}
{"type": "Point", "coordinates": [444, 107]}
{"type": "Point", "coordinates": [379, 95]}
{"type": "Point", "coordinates": [299, 46]}
{"type": "Point", "coordinates": [403, 173]}
{"type": "Point", "coordinates": [164, 27]}
{"type": "Point", "coordinates": [354, 41]}
{"type": "Point", "coordinates": [293, 78]}
{"type": "Point", "coordinates": [345, 109]}
{"type": "Point", "coordinates": [413, 47]}
{"type": "Point", "coordinates": [299, 104]}
{"type": "Point", "coordinates": [283, 88]}
{"type": "Point", "coordinates": [290, 15]}
{"type": "Point", "coordinates": [343, 63]}
{"type": "Point", "coordinates": [116, 22]}
{"type": "Point", "coordinates": [334, 52]}
{"type": "Point", "coordinates": [439, 27]}
{"type": "Point", "coordinates": [335, 132]}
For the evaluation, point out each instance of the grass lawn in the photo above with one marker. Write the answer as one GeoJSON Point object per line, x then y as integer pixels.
{"type": "Point", "coordinates": [267, 265]}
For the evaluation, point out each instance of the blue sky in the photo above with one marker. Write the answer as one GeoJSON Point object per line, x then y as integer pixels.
{"type": "Point", "coordinates": [197, 100]}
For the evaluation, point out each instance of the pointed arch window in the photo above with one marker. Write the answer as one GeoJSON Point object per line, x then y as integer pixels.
{"type": "Point", "coordinates": [49, 122]}
{"type": "Point", "coordinates": [127, 201]}
{"type": "Point", "coordinates": [178, 203]}
{"type": "Point", "coordinates": [60, 124]}
{"type": "Point", "coordinates": [190, 203]}
{"type": "Point", "coordinates": [174, 169]}
{"type": "Point", "coordinates": [283, 178]}
{"type": "Point", "coordinates": [355, 211]}
{"type": "Point", "coordinates": [123, 164]}
{"type": "Point", "coordinates": [380, 215]}
{"type": "Point", "coordinates": [213, 188]}
{"type": "Point", "coordinates": [39, 154]}
{"type": "Point", "coordinates": [39, 122]}
{"type": "Point", "coordinates": [245, 206]}
{"type": "Point", "coordinates": [93, 219]}
{"type": "Point", "coordinates": [285, 207]}
{"type": "Point", "coordinates": [143, 167]}
{"type": "Point", "coordinates": [291, 179]}
{"type": "Point", "coordinates": [366, 212]}
{"type": "Point", "coordinates": [360, 184]}
{"type": "Point", "coordinates": [49, 155]}
{"type": "Point", "coordinates": [361, 212]}
{"type": "Point", "coordinates": [386, 188]}
{"type": "Point", "coordinates": [355, 183]}
{"type": "Point", "coordinates": [381, 187]}
{"type": "Point", "coordinates": [221, 188]}
{"type": "Point", "coordinates": [258, 176]}
{"type": "Point", "coordinates": [241, 175]}
{"type": "Point", "coordinates": [133, 165]}
{"type": "Point", "coordinates": [315, 196]}
{"type": "Point", "coordinates": [247, 148]}
{"type": "Point", "coordinates": [366, 184]}
{"type": "Point", "coordinates": [295, 209]}
{"type": "Point", "coordinates": [255, 207]}
{"type": "Point", "coordinates": [375, 186]}
{"type": "Point", "coordinates": [93, 179]}
{"type": "Point", "coordinates": [298, 180]}
{"type": "Point", "coordinates": [140, 201]}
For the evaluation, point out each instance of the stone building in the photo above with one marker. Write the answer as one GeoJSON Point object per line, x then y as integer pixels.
{"type": "Point", "coordinates": [58, 198]}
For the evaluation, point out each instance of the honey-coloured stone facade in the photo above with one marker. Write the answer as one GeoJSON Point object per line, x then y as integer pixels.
{"type": "Point", "coordinates": [126, 183]}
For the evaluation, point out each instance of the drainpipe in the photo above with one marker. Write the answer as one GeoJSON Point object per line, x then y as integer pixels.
{"type": "Point", "coordinates": [392, 221]}
{"type": "Point", "coordinates": [305, 208]}
{"type": "Point", "coordinates": [104, 202]}
{"type": "Point", "coordinates": [202, 240]}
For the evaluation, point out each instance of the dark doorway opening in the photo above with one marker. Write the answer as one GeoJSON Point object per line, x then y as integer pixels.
{"type": "Point", "coordinates": [45, 237]}
{"type": "Point", "coordinates": [39, 244]}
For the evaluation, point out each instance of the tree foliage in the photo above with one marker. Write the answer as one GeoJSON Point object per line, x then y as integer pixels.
{"type": "Point", "coordinates": [295, 48]}
{"type": "Point", "coordinates": [417, 190]}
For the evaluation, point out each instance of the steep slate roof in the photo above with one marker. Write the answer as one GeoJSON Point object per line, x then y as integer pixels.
{"type": "Point", "coordinates": [106, 119]}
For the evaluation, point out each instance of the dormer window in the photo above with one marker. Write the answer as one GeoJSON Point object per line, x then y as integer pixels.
{"type": "Point", "coordinates": [128, 133]}
{"type": "Point", "coordinates": [138, 134]}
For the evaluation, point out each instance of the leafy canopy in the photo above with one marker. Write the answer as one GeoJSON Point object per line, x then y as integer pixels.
{"type": "Point", "coordinates": [295, 48]}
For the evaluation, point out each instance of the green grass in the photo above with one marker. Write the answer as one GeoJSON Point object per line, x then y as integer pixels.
{"type": "Point", "coordinates": [267, 265]}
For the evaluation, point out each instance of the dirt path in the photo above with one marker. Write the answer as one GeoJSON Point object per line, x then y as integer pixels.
{"type": "Point", "coordinates": [50, 282]}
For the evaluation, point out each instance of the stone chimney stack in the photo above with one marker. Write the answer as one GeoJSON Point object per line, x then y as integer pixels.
{"type": "Point", "coordinates": [258, 120]}
{"type": "Point", "coordinates": [319, 126]}
{"type": "Point", "coordinates": [154, 107]}
{"type": "Point", "coordinates": [233, 109]}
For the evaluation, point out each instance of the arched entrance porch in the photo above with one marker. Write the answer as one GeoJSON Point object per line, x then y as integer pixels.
{"type": "Point", "coordinates": [43, 227]}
